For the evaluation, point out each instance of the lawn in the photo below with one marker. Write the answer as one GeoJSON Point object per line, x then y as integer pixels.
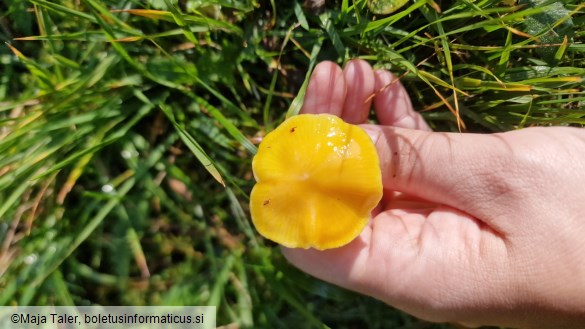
{"type": "Point", "coordinates": [127, 129]}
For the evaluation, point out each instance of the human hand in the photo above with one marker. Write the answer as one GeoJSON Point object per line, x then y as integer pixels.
{"type": "Point", "coordinates": [473, 229]}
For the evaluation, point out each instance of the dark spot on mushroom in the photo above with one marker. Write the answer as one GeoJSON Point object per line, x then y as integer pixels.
{"type": "Point", "coordinates": [395, 153]}
{"type": "Point", "coordinates": [266, 202]}
{"type": "Point", "coordinates": [292, 130]}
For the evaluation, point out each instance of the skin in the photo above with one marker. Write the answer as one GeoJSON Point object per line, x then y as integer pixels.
{"type": "Point", "coordinates": [473, 229]}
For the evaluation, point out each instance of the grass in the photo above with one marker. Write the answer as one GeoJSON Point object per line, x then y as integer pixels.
{"type": "Point", "coordinates": [127, 129]}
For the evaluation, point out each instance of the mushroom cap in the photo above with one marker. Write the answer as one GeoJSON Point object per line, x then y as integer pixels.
{"type": "Point", "coordinates": [318, 179]}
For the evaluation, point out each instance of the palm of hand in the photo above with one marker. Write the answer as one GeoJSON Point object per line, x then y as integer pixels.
{"type": "Point", "coordinates": [409, 242]}
{"type": "Point", "coordinates": [496, 262]}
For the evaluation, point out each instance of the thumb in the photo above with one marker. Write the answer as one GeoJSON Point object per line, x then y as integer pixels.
{"type": "Point", "coordinates": [464, 171]}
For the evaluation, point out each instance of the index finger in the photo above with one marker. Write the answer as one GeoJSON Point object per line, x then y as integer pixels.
{"type": "Point", "coordinates": [326, 90]}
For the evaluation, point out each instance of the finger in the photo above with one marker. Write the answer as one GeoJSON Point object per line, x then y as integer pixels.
{"type": "Point", "coordinates": [470, 172]}
{"type": "Point", "coordinates": [326, 90]}
{"type": "Point", "coordinates": [392, 103]}
{"type": "Point", "coordinates": [360, 82]}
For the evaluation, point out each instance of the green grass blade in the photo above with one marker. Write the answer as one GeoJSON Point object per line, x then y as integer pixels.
{"type": "Point", "coordinates": [297, 103]}
{"type": "Point", "coordinates": [192, 144]}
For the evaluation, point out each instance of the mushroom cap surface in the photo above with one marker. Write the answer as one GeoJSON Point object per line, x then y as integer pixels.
{"type": "Point", "coordinates": [318, 179]}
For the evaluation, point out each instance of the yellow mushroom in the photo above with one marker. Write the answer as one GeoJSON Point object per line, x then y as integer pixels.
{"type": "Point", "coordinates": [318, 178]}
